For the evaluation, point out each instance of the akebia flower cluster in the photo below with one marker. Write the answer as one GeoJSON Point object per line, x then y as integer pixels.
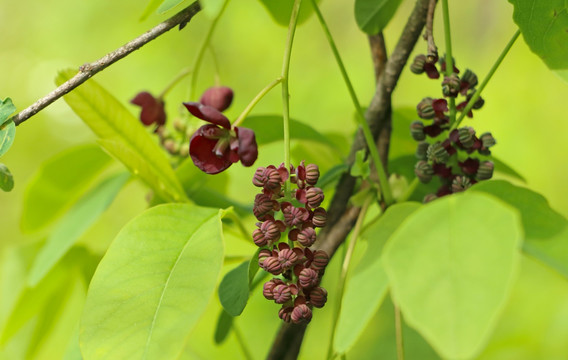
{"type": "Point", "coordinates": [298, 268]}
{"type": "Point", "coordinates": [216, 146]}
{"type": "Point", "coordinates": [449, 157]}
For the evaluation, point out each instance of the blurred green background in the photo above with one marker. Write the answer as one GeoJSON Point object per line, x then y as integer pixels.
{"type": "Point", "coordinates": [525, 110]}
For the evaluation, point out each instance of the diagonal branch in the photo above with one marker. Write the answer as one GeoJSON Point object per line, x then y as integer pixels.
{"type": "Point", "coordinates": [341, 218]}
{"type": "Point", "coordinates": [90, 69]}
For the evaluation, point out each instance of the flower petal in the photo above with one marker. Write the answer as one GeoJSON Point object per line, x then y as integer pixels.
{"type": "Point", "coordinates": [208, 113]}
{"type": "Point", "coordinates": [201, 150]}
{"type": "Point", "coordinates": [219, 97]}
{"type": "Point", "coordinates": [248, 150]}
{"type": "Point", "coordinates": [152, 108]}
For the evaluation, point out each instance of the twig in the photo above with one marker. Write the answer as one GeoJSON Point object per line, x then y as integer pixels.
{"type": "Point", "coordinates": [341, 218]}
{"type": "Point", "coordinates": [432, 55]}
{"type": "Point", "coordinates": [378, 54]}
{"type": "Point", "coordinates": [90, 69]}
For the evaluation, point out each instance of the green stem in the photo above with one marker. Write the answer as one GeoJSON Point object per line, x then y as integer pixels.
{"type": "Point", "coordinates": [285, 92]}
{"type": "Point", "coordinates": [398, 330]}
{"type": "Point", "coordinates": [449, 57]}
{"type": "Point", "coordinates": [174, 82]}
{"type": "Point", "coordinates": [409, 191]}
{"type": "Point", "coordinates": [256, 100]}
{"type": "Point", "coordinates": [242, 343]}
{"type": "Point", "coordinates": [345, 268]}
{"type": "Point", "coordinates": [381, 173]}
{"type": "Point", "coordinates": [201, 53]}
{"type": "Point", "coordinates": [477, 93]}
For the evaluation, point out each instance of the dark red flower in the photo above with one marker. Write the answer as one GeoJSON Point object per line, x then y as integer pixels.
{"type": "Point", "coordinates": [216, 146]}
{"type": "Point", "coordinates": [152, 109]}
{"type": "Point", "coordinates": [219, 97]}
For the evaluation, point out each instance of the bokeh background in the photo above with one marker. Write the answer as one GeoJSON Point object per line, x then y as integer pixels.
{"type": "Point", "coordinates": [525, 109]}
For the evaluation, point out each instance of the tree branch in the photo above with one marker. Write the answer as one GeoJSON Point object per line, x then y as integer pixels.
{"type": "Point", "coordinates": [341, 218]}
{"type": "Point", "coordinates": [90, 69]}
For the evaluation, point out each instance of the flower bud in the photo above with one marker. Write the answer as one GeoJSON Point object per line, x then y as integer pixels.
{"type": "Point", "coordinates": [436, 153]}
{"type": "Point", "coordinates": [285, 313]}
{"type": "Point", "coordinates": [301, 314]}
{"type": "Point", "coordinates": [259, 178]}
{"type": "Point", "coordinates": [423, 171]}
{"type": "Point", "coordinates": [421, 150]}
{"type": "Point", "coordinates": [318, 297]}
{"type": "Point", "coordinates": [320, 260]}
{"type": "Point", "coordinates": [418, 63]}
{"type": "Point", "coordinates": [219, 97]}
{"type": "Point", "coordinates": [487, 140]}
{"type": "Point", "coordinates": [451, 85]}
{"type": "Point", "coordinates": [307, 237]}
{"type": "Point", "coordinates": [268, 287]}
{"type": "Point", "coordinates": [319, 217]}
{"type": "Point", "coordinates": [308, 278]}
{"type": "Point", "coordinates": [312, 174]}
{"type": "Point", "coordinates": [270, 230]}
{"type": "Point", "coordinates": [258, 238]}
{"type": "Point", "coordinates": [294, 216]}
{"type": "Point", "coordinates": [425, 109]}
{"type": "Point", "coordinates": [314, 197]}
{"type": "Point", "coordinates": [470, 78]}
{"type": "Point", "coordinates": [262, 205]}
{"type": "Point", "coordinates": [281, 294]}
{"type": "Point", "coordinates": [171, 146]}
{"type": "Point", "coordinates": [460, 183]}
{"type": "Point", "coordinates": [485, 170]}
{"type": "Point", "coordinates": [466, 136]}
{"type": "Point", "coordinates": [288, 258]}
{"type": "Point", "coordinates": [417, 130]}
{"type": "Point", "coordinates": [273, 180]}
{"type": "Point", "coordinates": [272, 265]}
{"type": "Point", "coordinates": [262, 255]}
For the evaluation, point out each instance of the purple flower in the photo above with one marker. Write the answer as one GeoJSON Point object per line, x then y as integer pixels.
{"type": "Point", "coordinates": [152, 109]}
{"type": "Point", "coordinates": [216, 146]}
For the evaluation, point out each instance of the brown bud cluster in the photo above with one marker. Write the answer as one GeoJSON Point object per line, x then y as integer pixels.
{"type": "Point", "coordinates": [443, 156]}
{"type": "Point", "coordinates": [299, 269]}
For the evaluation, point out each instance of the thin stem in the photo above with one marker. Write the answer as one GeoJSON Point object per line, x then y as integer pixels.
{"type": "Point", "coordinates": [285, 91]}
{"type": "Point", "coordinates": [256, 100]}
{"type": "Point", "coordinates": [383, 182]}
{"type": "Point", "coordinates": [345, 268]}
{"type": "Point", "coordinates": [449, 57]}
{"type": "Point", "coordinates": [242, 343]}
{"type": "Point", "coordinates": [174, 82]}
{"type": "Point", "coordinates": [477, 93]}
{"type": "Point", "coordinates": [204, 46]}
{"type": "Point", "coordinates": [409, 191]}
{"type": "Point", "coordinates": [398, 330]}
{"type": "Point", "coordinates": [90, 69]}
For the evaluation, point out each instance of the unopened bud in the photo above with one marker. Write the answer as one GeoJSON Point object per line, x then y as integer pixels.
{"type": "Point", "coordinates": [417, 65]}
{"type": "Point", "coordinates": [318, 297]}
{"type": "Point", "coordinates": [319, 217]}
{"type": "Point", "coordinates": [281, 293]}
{"type": "Point", "coordinates": [219, 97]}
{"type": "Point", "coordinates": [485, 170]}
{"type": "Point", "coordinates": [421, 150]}
{"type": "Point", "coordinates": [466, 136]}
{"type": "Point", "coordinates": [417, 130]}
{"type": "Point", "coordinates": [436, 153]}
{"type": "Point", "coordinates": [312, 174]}
{"type": "Point", "coordinates": [320, 260]}
{"type": "Point", "coordinates": [301, 314]}
{"type": "Point", "coordinates": [308, 278]}
{"type": "Point", "coordinates": [460, 183]}
{"type": "Point", "coordinates": [307, 237]}
{"type": "Point", "coordinates": [487, 140]}
{"type": "Point", "coordinates": [451, 85]}
{"type": "Point", "coordinates": [423, 171]}
{"type": "Point", "coordinates": [425, 109]}
{"type": "Point", "coordinates": [314, 197]}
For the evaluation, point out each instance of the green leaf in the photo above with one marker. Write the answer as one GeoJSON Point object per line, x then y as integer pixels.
{"type": "Point", "coordinates": [153, 284]}
{"type": "Point", "coordinates": [546, 231]}
{"type": "Point", "coordinates": [6, 178]}
{"type": "Point", "coordinates": [544, 25]}
{"type": "Point", "coordinates": [367, 283]}
{"type": "Point", "coordinates": [268, 128]}
{"type": "Point", "coordinates": [332, 175]}
{"type": "Point", "coordinates": [372, 16]}
{"type": "Point", "coordinates": [234, 289]}
{"type": "Point", "coordinates": [281, 10]}
{"type": "Point", "coordinates": [224, 324]}
{"type": "Point", "coordinates": [150, 8]}
{"type": "Point", "coordinates": [361, 166]}
{"type": "Point", "coordinates": [7, 108]}
{"type": "Point", "coordinates": [124, 137]}
{"type": "Point", "coordinates": [212, 8]}
{"type": "Point", "coordinates": [253, 267]}
{"type": "Point", "coordinates": [451, 266]}
{"type": "Point", "coordinates": [58, 184]}
{"type": "Point", "coordinates": [503, 168]}
{"type": "Point", "coordinates": [7, 134]}
{"type": "Point", "coordinates": [79, 218]}
{"type": "Point", "coordinates": [168, 4]}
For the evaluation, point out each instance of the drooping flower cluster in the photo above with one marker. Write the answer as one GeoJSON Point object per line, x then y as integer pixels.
{"type": "Point", "coordinates": [449, 157]}
{"type": "Point", "coordinates": [299, 269]}
{"type": "Point", "coordinates": [216, 146]}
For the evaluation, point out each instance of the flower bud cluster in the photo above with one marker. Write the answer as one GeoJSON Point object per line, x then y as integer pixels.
{"type": "Point", "coordinates": [299, 268]}
{"type": "Point", "coordinates": [452, 157]}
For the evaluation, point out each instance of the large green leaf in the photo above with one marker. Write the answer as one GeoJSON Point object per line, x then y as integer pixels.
{"type": "Point", "coordinates": [367, 283]}
{"type": "Point", "coordinates": [224, 325]}
{"type": "Point", "coordinates": [7, 134]}
{"type": "Point", "coordinates": [372, 16]}
{"type": "Point", "coordinates": [153, 284]}
{"type": "Point", "coordinates": [269, 128]}
{"type": "Point", "coordinates": [58, 183]}
{"type": "Point", "coordinates": [280, 10]}
{"type": "Point", "coordinates": [7, 108]}
{"type": "Point", "coordinates": [131, 143]}
{"type": "Point", "coordinates": [451, 266]}
{"type": "Point", "coordinates": [6, 178]}
{"type": "Point", "coordinates": [79, 218]}
{"type": "Point", "coordinates": [234, 289]}
{"type": "Point", "coordinates": [546, 231]}
{"type": "Point", "coordinates": [544, 25]}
